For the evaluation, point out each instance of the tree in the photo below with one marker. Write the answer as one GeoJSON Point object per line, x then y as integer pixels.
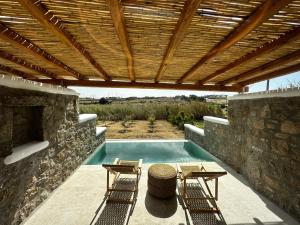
{"type": "Point", "coordinates": [193, 97]}
{"type": "Point", "coordinates": [151, 119]}
{"type": "Point", "coordinates": [103, 101]}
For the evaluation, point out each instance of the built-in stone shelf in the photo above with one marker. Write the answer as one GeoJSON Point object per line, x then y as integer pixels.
{"type": "Point", "coordinates": [86, 117]}
{"type": "Point", "coordinates": [100, 130]}
{"type": "Point", "coordinates": [194, 129]}
{"type": "Point", "coordinates": [216, 120]}
{"type": "Point", "coordinates": [23, 151]}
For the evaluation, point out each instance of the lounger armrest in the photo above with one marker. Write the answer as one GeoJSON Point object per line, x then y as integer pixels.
{"type": "Point", "coordinates": [117, 166]}
{"type": "Point", "coordinates": [140, 163]}
{"type": "Point", "coordinates": [116, 161]}
{"type": "Point", "coordinates": [178, 168]}
{"type": "Point", "coordinates": [208, 174]}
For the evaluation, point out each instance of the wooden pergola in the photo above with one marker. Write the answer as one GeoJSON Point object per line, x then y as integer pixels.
{"type": "Point", "coordinates": [186, 44]}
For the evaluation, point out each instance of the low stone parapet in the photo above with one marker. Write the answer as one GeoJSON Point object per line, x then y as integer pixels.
{"type": "Point", "coordinates": [31, 169]}
{"type": "Point", "coordinates": [260, 140]}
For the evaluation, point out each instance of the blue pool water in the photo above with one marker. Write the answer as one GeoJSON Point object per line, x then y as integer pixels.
{"type": "Point", "coordinates": [150, 152]}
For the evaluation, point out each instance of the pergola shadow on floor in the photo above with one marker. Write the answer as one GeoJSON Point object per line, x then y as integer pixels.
{"type": "Point", "coordinates": [81, 200]}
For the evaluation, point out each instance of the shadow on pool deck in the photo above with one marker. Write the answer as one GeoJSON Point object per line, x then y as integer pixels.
{"type": "Point", "coordinates": [258, 222]}
{"type": "Point", "coordinates": [80, 201]}
{"type": "Point", "coordinates": [162, 208]}
{"type": "Point", "coordinates": [116, 213]}
{"type": "Point", "coordinates": [198, 218]}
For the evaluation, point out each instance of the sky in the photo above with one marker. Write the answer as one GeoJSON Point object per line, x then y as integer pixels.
{"type": "Point", "coordinates": [279, 82]}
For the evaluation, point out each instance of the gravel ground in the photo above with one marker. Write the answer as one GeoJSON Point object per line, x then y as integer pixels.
{"type": "Point", "coordinates": [139, 129]}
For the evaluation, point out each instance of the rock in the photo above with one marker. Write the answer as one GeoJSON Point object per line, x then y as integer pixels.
{"type": "Point", "coordinates": [271, 126]}
{"type": "Point", "coordinates": [272, 183]}
{"type": "Point", "coordinates": [290, 127]}
{"type": "Point", "coordinates": [265, 112]}
{"type": "Point", "coordinates": [281, 135]}
{"type": "Point", "coordinates": [280, 147]}
{"type": "Point", "coordinates": [259, 124]}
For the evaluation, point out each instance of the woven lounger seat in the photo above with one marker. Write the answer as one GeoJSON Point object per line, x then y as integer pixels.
{"type": "Point", "coordinates": [120, 167]}
{"type": "Point", "coordinates": [162, 180]}
{"type": "Point", "coordinates": [194, 172]}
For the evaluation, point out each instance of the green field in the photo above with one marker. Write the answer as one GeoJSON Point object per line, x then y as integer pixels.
{"type": "Point", "coordinates": [177, 113]}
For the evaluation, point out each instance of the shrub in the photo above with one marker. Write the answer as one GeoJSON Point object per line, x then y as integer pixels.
{"type": "Point", "coordinates": [161, 111]}
{"type": "Point", "coordinates": [151, 120]}
{"type": "Point", "coordinates": [103, 101]}
{"type": "Point", "coordinates": [180, 119]}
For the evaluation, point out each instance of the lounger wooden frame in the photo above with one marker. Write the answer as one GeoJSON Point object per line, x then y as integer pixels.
{"type": "Point", "coordinates": [117, 169]}
{"type": "Point", "coordinates": [206, 176]}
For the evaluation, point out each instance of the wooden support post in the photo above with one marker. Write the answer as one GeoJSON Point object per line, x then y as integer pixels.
{"type": "Point", "coordinates": [107, 181]}
{"type": "Point", "coordinates": [216, 189]}
{"type": "Point", "coordinates": [171, 86]}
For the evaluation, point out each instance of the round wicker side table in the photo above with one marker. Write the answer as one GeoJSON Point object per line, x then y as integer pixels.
{"type": "Point", "coordinates": [162, 180]}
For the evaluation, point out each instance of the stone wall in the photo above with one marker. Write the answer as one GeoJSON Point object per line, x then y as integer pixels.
{"type": "Point", "coordinates": [262, 142]}
{"type": "Point", "coordinates": [26, 183]}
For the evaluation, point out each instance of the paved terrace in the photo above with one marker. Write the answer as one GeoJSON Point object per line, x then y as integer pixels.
{"type": "Point", "coordinates": [79, 201]}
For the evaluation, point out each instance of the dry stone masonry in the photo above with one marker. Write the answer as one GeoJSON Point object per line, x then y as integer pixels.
{"type": "Point", "coordinates": [38, 116]}
{"type": "Point", "coordinates": [262, 142]}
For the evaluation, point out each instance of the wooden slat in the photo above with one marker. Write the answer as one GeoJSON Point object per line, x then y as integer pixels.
{"type": "Point", "coordinates": [276, 73]}
{"type": "Point", "coordinates": [261, 69]}
{"type": "Point", "coordinates": [16, 72]}
{"type": "Point", "coordinates": [261, 14]}
{"type": "Point", "coordinates": [182, 25]}
{"type": "Point", "coordinates": [117, 17]}
{"type": "Point", "coordinates": [19, 41]}
{"type": "Point", "coordinates": [118, 84]}
{"type": "Point", "coordinates": [39, 11]}
{"type": "Point", "coordinates": [22, 62]}
{"type": "Point", "coordinates": [270, 46]}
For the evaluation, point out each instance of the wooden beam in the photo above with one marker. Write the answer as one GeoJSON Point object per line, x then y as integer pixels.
{"type": "Point", "coordinates": [40, 12]}
{"type": "Point", "coordinates": [182, 25]}
{"type": "Point", "coordinates": [16, 72]}
{"type": "Point", "coordinates": [276, 73]}
{"type": "Point", "coordinates": [17, 40]}
{"type": "Point", "coordinates": [261, 69]}
{"type": "Point", "coordinates": [261, 14]}
{"type": "Point", "coordinates": [268, 47]}
{"type": "Point", "coordinates": [22, 62]}
{"type": "Point", "coordinates": [117, 17]}
{"type": "Point", "coordinates": [118, 84]}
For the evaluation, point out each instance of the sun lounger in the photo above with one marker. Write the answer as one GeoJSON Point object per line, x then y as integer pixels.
{"type": "Point", "coordinates": [196, 203]}
{"type": "Point", "coordinates": [118, 168]}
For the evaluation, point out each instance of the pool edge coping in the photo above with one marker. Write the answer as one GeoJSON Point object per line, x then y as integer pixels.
{"type": "Point", "coordinates": [146, 140]}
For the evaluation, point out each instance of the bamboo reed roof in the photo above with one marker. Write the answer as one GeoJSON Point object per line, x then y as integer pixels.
{"type": "Point", "coordinates": [221, 45]}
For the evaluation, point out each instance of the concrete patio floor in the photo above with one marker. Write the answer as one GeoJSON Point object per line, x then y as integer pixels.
{"type": "Point", "coordinates": [79, 201]}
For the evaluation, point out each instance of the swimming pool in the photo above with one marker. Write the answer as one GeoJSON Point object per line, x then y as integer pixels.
{"type": "Point", "coordinates": [149, 151]}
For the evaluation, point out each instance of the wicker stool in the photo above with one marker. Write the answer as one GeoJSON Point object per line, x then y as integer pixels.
{"type": "Point", "coordinates": [162, 180]}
